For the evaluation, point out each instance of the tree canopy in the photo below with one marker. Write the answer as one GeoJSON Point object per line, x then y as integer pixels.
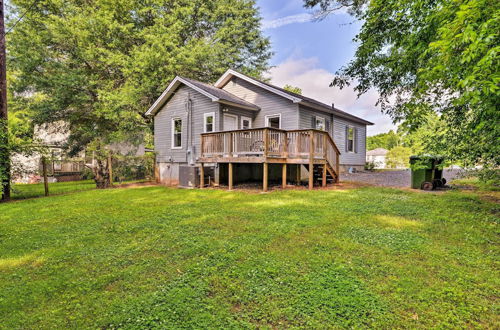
{"type": "Point", "coordinates": [387, 140]}
{"type": "Point", "coordinates": [428, 57]}
{"type": "Point", "coordinates": [98, 66]}
{"type": "Point", "coordinates": [293, 89]}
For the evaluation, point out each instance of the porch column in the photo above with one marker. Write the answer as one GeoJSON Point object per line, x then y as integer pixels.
{"type": "Point", "coordinates": [230, 177]}
{"type": "Point", "coordinates": [299, 167]}
{"type": "Point", "coordinates": [202, 176]}
{"type": "Point", "coordinates": [264, 180]}
{"type": "Point", "coordinates": [284, 176]}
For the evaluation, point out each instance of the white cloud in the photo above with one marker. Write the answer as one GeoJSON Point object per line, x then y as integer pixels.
{"type": "Point", "coordinates": [314, 82]}
{"type": "Point", "coordinates": [276, 23]}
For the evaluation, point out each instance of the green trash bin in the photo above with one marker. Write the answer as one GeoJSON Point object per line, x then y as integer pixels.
{"type": "Point", "coordinates": [426, 172]}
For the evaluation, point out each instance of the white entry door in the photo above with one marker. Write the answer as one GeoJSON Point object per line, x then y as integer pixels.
{"type": "Point", "coordinates": [230, 122]}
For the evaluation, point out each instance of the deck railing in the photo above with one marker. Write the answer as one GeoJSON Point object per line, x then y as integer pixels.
{"type": "Point", "coordinates": [272, 143]}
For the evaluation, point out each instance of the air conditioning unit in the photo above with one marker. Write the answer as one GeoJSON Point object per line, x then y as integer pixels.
{"type": "Point", "coordinates": [189, 176]}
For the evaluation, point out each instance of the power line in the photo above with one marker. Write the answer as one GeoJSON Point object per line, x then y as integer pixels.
{"type": "Point", "coordinates": [21, 17]}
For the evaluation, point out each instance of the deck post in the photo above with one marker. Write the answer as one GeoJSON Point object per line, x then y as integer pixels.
{"type": "Point", "coordinates": [337, 167]}
{"type": "Point", "coordinates": [285, 146]}
{"type": "Point", "coordinates": [202, 176]}
{"type": "Point", "coordinates": [265, 177]}
{"type": "Point", "coordinates": [324, 146]}
{"type": "Point", "coordinates": [266, 141]}
{"type": "Point", "coordinates": [230, 176]}
{"type": "Point", "coordinates": [323, 179]}
{"type": "Point", "coordinates": [284, 175]}
{"type": "Point", "coordinates": [217, 175]}
{"type": "Point", "coordinates": [299, 168]}
{"type": "Point", "coordinates": [311, 159]}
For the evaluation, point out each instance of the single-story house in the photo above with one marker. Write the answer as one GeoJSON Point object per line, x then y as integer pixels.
{"type": "Point", "coordinates": [377, 157]}
{"type": "Point", "coordinates": [257, 130]}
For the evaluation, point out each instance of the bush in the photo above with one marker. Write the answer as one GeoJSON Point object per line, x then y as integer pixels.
{"type": "Point", "coordinates": [369, 166]}
{"type": "Point", "coordinates": [133, 167]}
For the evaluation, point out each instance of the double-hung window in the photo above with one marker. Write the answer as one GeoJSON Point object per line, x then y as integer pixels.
{"type": "Point", "coordinates": [350, 138]}
{"type": "Point", "coordinates": [176, 133]}
{"type": "Point", "coordinates": [246, 122]}
{"type": "Point", "coordinates": [273, 121]}
{"type": "Point", "coordinates": [320, 124]}
{"type": "Point", "coordinates": [209, 122]}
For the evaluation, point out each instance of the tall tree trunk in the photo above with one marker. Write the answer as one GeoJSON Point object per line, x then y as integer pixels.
{"type": "Point", "coordinates": [4, 136]}
{"type": "Point", "coordinates": [101, 175]}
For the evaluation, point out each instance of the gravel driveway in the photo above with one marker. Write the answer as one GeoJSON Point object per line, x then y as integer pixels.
{"type": "Point", "coordinates": [399, 178]}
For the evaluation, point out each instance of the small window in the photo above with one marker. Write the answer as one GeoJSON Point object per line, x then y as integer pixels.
{"type": "Point", "coordinates": [320, 123]}
{"type": "Point", "coordinates": [273, 121]}
{"type": "Point", "coordinates": [246, 123]}
{"type": "Point", "coordinates": [176, 133]}
{"type": "Point", "coordinates": [208, 120]}
{"type": "Point", "coordinates": [350, 139]}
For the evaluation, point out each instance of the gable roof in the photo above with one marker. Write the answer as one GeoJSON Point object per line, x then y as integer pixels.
{"type": "Point", "coordinates": [294, 97]}
{"type": "Point", "coordinates": [377, 152]}
{"type": "Point", "coordinates": [215, 94]}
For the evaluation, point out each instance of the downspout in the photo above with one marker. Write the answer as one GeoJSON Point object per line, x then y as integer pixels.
{"type": "Point", "coordinates": [190, 151]}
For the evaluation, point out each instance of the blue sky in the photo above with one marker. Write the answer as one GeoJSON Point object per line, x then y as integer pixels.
{"type": "Point", "coordinates": [307, 53]}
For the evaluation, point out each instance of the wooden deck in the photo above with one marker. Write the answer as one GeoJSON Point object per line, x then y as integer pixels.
{"type": "Point", "coordinates": [313, 148]}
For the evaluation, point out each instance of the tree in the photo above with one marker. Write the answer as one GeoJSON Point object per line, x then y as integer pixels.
{"type": "Point", "coordinates": [98, 66]}
{"type": "Point", "coordinates": [292, 89]}
{"type": "Point", "coordinates": [387, 140]}
{"type": "Point", "coordinates": [398, 157]}
{"type": "Point", "coordinates": [432, 57]}
{"type": "Point", "coordinates": [427, 138]}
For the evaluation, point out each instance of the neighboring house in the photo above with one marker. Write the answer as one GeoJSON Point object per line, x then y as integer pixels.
{"type": "Point", "coordinates": [246, 123]}
{"type": "Point", "coordinates": [377, 157]}
{"type": "Point", "coordinates": [28, 168]}
{"type": "Point", "coordinates": [52, 137]}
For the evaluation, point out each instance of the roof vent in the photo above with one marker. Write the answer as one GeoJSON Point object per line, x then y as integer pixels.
{"type": "Point", "coordinates": [333, 105]}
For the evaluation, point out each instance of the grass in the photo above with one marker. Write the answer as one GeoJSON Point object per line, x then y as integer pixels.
{"type": "Point", "coordinates": [477, 184]}
{"type": "Point", "coordinates": [156, 257]}
{"type": "Point", "coordinates": [22, 191]}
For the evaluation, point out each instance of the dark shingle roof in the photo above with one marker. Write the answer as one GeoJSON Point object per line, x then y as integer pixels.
{"type": "Point", "coordinates": [221, 94]}
{"type": "Point", "coordinates": [313, 101]}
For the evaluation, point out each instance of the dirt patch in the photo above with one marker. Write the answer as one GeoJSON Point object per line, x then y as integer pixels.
{"type": "Point", "coordinates": [135, 184]}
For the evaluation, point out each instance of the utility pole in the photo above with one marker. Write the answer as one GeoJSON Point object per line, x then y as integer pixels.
{"type": "Point", "coordinates": [4, 137]}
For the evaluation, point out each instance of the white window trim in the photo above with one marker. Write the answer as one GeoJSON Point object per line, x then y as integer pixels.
{"type": "Point", "coordinates": [173, 131]}
{"type": "Point", "coordinates": [205, 115]}
{"type": "Point", "coordinates": [323, 120]}
{"type": "Point", "coordinates": [353, 139]}
{"type": "Point", "coordinates": [245, 118]}
{"type": "Point", "coordinates": [272, 116]}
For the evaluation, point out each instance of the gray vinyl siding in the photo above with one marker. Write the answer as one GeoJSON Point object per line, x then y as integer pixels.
{"type": "Point", "coordinates": [269, 103]}
{"type": "Point", "coordinates": [306, 116]}
{"type": "Point", "coordinates": [337, 131]}
{"type": "Point", "coordinates": [339, 136]}
{"type": "Point", "coordinates": [175, 107]}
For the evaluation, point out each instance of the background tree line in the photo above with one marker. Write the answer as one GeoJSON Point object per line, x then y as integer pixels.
{"type": "Point", "coordinates": [405, 142]}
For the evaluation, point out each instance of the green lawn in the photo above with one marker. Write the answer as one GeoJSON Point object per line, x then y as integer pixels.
{"type": "Point", "coordinates": [155, 257]}
{"type": "Point", "coordinates": [22, 191]}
